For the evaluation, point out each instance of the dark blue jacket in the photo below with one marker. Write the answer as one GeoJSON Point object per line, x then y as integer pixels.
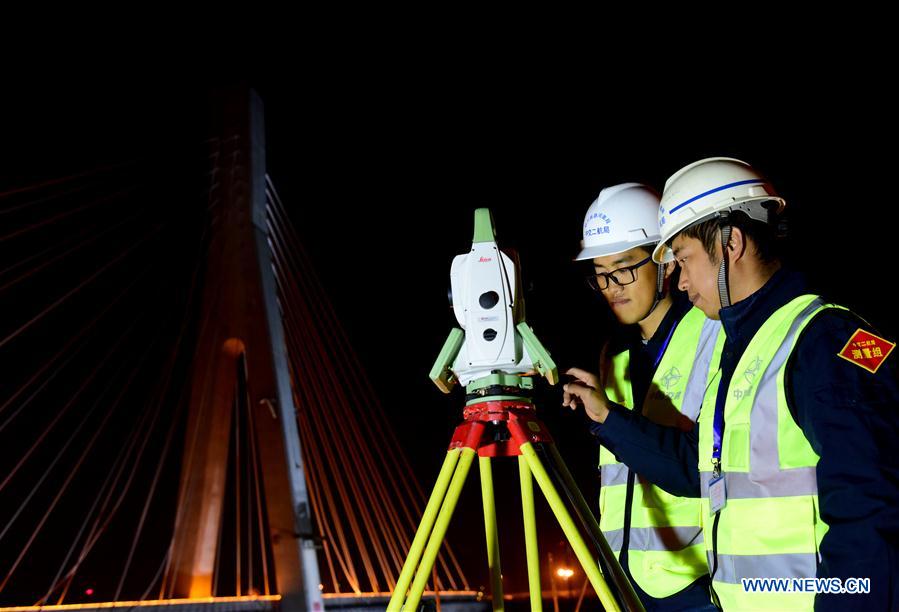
{"type": "Point", "coordinates": [849, 416]}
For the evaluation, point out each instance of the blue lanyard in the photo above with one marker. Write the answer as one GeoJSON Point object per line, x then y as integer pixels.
{"type": "Point", "coordinates": [718, 432]}
{"type": "Point", "coordinates": [664, 347]}
{"type": "Point", "coordinates": [718, 428]}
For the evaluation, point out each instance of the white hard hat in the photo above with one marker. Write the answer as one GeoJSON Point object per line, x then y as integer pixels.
{"type": "Point", "coordinates": [707, 187]}
{"type": "Point", "coordinates": [620, 218]}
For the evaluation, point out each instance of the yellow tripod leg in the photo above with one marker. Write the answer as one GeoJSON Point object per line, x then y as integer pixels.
{"type": "Point", "coordinates": [568, 527]}
{"type": "Point", "coordinates": [496, 574]}
{"type": "Point", "coordinates": [440, 527]}
{"type": "Point", "coordinates": [424, 529]}
{"type": "Point", "coordinates": [530, 533]}
{"type": "Point", "coordinates": [625, 589]}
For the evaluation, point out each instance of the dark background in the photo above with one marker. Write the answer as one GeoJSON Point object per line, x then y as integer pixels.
{"type": "Point", "coordinates": [393, 171]}
{"type": "Point", "coordinates": [381, 168]}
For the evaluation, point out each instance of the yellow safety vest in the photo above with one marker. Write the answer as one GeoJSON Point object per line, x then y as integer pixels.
{"type": "Point", "coordinates": [665, 546]}
{"type": "Point", "coordinates": [770, 526]}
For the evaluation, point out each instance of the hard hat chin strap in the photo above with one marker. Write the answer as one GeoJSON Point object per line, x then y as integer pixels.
{"type": "Point", "coordinates": [660, 289]}
{"type": "Point", "coordinates": [723, 291]}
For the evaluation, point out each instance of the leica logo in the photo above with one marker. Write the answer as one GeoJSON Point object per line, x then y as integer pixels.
{"type": "Point", "coordinates": [484, 259]}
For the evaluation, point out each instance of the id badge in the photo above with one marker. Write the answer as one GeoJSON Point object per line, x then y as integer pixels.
{"type": "Point", "coordinates": [717, 494]}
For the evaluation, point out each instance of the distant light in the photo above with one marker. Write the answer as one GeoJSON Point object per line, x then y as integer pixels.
{"type": "Point", "coordinates": [564, 572]}
{"type": "Point", "coordinates": [321, 587]}
{"type": "Point", "coordinates": [88, 591]}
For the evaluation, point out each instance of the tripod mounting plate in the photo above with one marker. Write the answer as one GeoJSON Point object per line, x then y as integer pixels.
{"type": "Point", "coordinates": [518, 417]}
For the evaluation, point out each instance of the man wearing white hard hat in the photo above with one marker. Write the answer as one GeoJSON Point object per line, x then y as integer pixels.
{"type": "Point", "coordinates": [795, 460]}
{"type": "Point", "coordinates": [656, 362]}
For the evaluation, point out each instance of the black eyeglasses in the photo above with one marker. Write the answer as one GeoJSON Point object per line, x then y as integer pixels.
{"type": "Point", "coordinates": [599, 281]}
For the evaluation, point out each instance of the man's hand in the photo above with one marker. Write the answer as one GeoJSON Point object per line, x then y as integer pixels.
{"type": "Point", "coordinates": [586, 390]}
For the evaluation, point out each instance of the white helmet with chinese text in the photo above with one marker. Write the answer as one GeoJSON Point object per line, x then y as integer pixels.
{"type": "Point", "coordinates": [620, 218]}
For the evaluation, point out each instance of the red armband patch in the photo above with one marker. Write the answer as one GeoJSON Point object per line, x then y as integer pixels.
{"type": "Point", "coordinates": [866, 350]}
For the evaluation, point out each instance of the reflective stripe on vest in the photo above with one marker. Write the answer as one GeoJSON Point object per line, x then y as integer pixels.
{"type": "Point", "coordinates": [665, 543]}
{"type": "Point", "coordinates": [699, 374]}
{"type": "Point", "coordinates": [655, 538]}
{"type": "Point", "coordinates": [733, 568]}
{"type": "Point", "coordinates": [613, 474]}
{"type": "Point", "coordinates": [740, 485]}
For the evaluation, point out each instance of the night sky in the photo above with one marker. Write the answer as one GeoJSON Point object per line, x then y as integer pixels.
{"type": "Point", "coordinates": [382, 170]}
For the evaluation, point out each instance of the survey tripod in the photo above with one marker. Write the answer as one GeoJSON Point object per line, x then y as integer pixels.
{"type": "Point", "coordinates": [500, 420]}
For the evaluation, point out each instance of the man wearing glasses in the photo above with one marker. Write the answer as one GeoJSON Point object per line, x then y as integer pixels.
{"type": "Point", "coordinates": [656, 362]}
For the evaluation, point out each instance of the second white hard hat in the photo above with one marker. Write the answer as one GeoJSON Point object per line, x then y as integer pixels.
{"type": "Point", "coordinates": [620, 218]}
